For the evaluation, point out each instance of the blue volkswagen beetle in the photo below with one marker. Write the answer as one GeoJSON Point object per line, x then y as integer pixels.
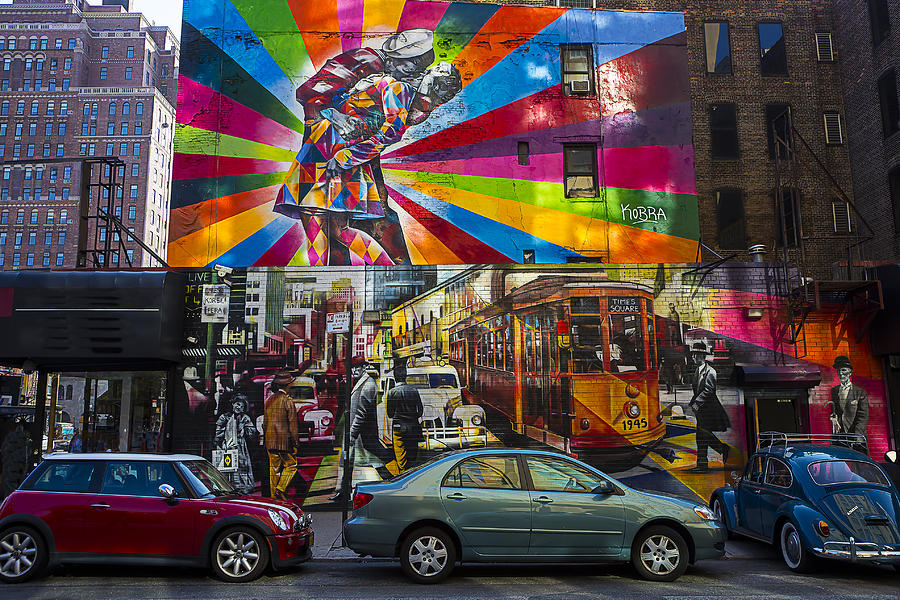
{"type": "Point", "coordinates": [505, 505]}
{"type": "Point", "coordinates": [814, 500]}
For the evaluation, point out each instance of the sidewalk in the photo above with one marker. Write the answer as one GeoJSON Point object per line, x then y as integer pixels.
{"type": "Point", "coordinates": [327, 525]}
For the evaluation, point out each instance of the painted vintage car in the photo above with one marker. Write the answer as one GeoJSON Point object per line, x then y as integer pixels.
{"type": "Point", "coordinates": [814, 500]}
{"type": "Point", "coordinates": [505, 505]}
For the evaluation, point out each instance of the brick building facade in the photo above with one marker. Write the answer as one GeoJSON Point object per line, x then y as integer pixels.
{"type": "Point", "coordinates": [868, 38]}
{"type": "Point", "coordinates": [82, 81]}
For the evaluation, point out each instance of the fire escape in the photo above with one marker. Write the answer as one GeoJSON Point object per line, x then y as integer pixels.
{"type": "Point", "coordinates": [849, 286]}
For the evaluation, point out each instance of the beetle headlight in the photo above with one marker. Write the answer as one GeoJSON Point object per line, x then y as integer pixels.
{"type": "Point", "coordinates": [278, 520]}
{"type": "Point", "coordinates": [704, 513]}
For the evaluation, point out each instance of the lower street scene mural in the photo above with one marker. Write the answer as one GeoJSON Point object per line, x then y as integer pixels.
{"type": "Point", "coordinates": [662, 375]}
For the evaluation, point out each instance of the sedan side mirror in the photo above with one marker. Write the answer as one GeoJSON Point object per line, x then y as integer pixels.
{"type": "Point", "coordinates": [605, 488]}
{"type": "Point", "coordinates": [167, 491]}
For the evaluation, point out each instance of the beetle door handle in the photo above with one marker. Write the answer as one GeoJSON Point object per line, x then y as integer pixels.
{"type": "Point", "coordinates": [99, 505]}
{"type": "Point", "coordinates": [543, 500]}
{"type": "Point", "coordinates": [757, 491]}
{"type": "Point", "coordinates": [456, 496]}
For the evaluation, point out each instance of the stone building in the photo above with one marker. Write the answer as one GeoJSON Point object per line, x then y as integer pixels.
{"type": "Point", "coordinates": [80, 82]}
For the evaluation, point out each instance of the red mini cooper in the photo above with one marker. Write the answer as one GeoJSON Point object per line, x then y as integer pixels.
{"type": "Point", "coordinates": [145, 509]}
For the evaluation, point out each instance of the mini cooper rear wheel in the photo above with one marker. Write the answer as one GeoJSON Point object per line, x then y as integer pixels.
{"type": "Point", "coordinates": [659, 553]}
{"type": "Point", "coordinates": [428, 555]}
{"type": "Point", "coordinates": [239, 554]}
{"type": "Point", "coordinates": [796, 557]}
{"type": "Point", "coordinates": [23, 554]}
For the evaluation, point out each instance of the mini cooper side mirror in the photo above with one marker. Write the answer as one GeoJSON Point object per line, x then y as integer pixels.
{"type": "Point", "coordinates": [167, 491]}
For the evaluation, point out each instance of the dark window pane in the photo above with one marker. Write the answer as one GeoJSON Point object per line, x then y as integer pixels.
{"type": "Point", "coordinates": [773, 58]}
{"type": "Point", "coordinates": [523, 153]}
{"type": "Point", "coordinates": [723, 130]}
{"type": "Point", "coordinates": [894, 185]}
{"type": "Point", "coordinates": [887, 98]}
{"type": "Point", "coordinates": [730, 219]}
{"type": "Point", "coordinates": [580, 166]}
{"type": "Point", "coordinates": [880, 19]}
{"type": "Point", "coordinates": [778, 120]}
{"type": "Point", "coordinates": [787, 211]}
{"type": "Point", "coordinates": [718, 48]}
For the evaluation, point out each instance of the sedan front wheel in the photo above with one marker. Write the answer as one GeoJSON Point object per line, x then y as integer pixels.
{"type": "Point", "coordinates": [659, 553]}
{"type": "Point", "coordinates": [428, 555]}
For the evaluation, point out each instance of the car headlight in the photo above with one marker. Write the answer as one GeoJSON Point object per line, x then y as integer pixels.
{"type": "Point", "coordinates": [476, 420]}
{"type": "Point", "coordinates": [278, 520]}
{"type": "Point", "coordinates": [704, 513]}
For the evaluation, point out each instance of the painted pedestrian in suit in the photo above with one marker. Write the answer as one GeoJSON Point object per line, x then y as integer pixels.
{"type": "Point", "coordinates": [711, 415]}
{"type": "Point", "coordinates": [404, 407]}
{"type": "Point", "coordinates": [849, 403]}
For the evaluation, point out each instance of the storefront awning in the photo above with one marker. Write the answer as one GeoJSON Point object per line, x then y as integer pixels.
{"type": "Point", "coordinates": [805, 376]}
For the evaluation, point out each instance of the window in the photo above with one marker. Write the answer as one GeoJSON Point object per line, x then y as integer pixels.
{"type": "Point", "coordinates": [102, 73]}
{"type": "Point", "coordinates": [2, 238]}
{"type": "Point", "coordinates": [778, 122]}
{"type": "Point", "coordinates": [18, 241]}
{"type": "Point", "coordinates": [48, 128]}
{"type": "Point", "coordinates": [124, 128]}
{"type": "Point", "coordinates": [524, 154]}
{"type": "Point", "coordinates": [132, 212]}
{"type": "Point", "coordinates": [94, 109]}
{"type": "Point", "coordinates": [34, 108]}
{"type": "Point", "coordinates": [126, 108]}
{"type": "Point", "coordinates": [139, 478]}
{"type": "Point", "coordinates": [754, 470]}
{"type": "Point", "coordinates": [59, 259]}
{"type": "Point", "coordinates": [63, 216]}
{"type": "Point", "coordinates": [128, 72]}
{"type": "Point", "coordinates": [51, 108]}
{"type": "Point", "coordinates": [34, 217]}
{"type": "Point", "coordinates": [4, 108]}
{"type": "Point", "coordinates": [67, 172]}
{"type": "Point", "coordinates": [887, 98]}
{"type": "Point", "coordinates": [28, 63]}
{"type": "Point", "coordinates": [577, 68]}
{"type": "Point", "coordinates": [894, 187]}
{"type": "Point", "coordinates": [4, 85]}
{"type": "Point", "coordinates": [730, 219]}
{"type": "Point", "coordinates": [491, 472]}
{"type": "Point", "coordinates": [833, 133]}
{"type": "Point", "coordinates": [134, 169]}
{"type": "Point", "coordinates": [109, 149]}
{"type": "Point", "coordinates": [39, 64]}
{"type": "Point", "coordinates": [718, 47]}
{"type": "Point", "coordinates": [17, 150]}
{"type": "Point", "coordinates": [17, 259]}
{"type": "Point", "coordinates": [65, 193]}
{"type": "Point", "coordinates": [46, 259]}
{"type": "Point", "coordinates": [63, 108]}
{"type": "Point", "coordinates": [45, 150]}
{"type": "Point", "coordinates": [824, 48]}
{"type": "Point", "coordinates": [61, 238]}
{"type": "Point", "coordinates": [133, 191]}
{"type": "Point", "coordinates": [64, 476]}
{"type": "Point", "coordinates": [123, 149]}
{"type": "Point", "coordinates": [787, 213]}
{"type": "Point", "coordinates": [4, 217]}
{"type": "Point", "coordinates": [137, 149]}
{"type": "Point", "coordinates": [723, 130]}
{"type": "Point", "coordinates": [111, 128]}
{"type": "Point", "coordinates": [32, 129]}
{"type": "Point", "coordinates": [67, 63]}
{"type": "Point", "coordinates": [33, 44]}
{"type": "Point", "coordinates": [60, 150]}
{"type": "Point", "coordinates": [32, 238]}
{"type": "Point", "coordinates": [580, 170]}
{"type": "Point", "coordinates": [26, 85]}
{"type": "Point", "coordinates": [29, 260]}
{"type": "Point", "coordinates": [880, 20]}
{"type": "Point", "coordinates": [20, 216]}
{"type": "Point", "coordinates": [30, 151]}
{"type": "Point", "coordinates": [71, 45]}
{"type": "Point", "coordinates": [139, 108]}
{"type": "Point", "coordinates": [37, 85]}
{"type": "Point", "coordinates": [104, 52]}
{"type": "Point", "coordinates": [65, 85]}
{"type": "Point", "coordinates": [773, 58]}
{"type": "Point", "coordinates": [560, 475]}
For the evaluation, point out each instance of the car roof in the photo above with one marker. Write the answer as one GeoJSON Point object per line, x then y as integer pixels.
{"type": "Point", "coordinates": [118, 456]}
{"type": "Point", "coordinates": [809, 453]}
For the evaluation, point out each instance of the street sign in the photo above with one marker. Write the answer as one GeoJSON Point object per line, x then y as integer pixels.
{"type": "Point", "coordinates": [337, 322]}
{"type": "Point", "coordinates": [215, 303]}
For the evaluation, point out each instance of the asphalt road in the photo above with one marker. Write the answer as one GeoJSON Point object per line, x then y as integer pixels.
{"type": "Point", "coordinates": [376, 579]}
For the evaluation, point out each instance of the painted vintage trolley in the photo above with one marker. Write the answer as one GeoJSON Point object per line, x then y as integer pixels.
{"type": "Point", "coordinates": [566, 359]}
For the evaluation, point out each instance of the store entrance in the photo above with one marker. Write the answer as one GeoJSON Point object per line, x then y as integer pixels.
{"type": "Point", "coordinates": [114, 411]}
{"type": "Point", "coordinates": [782, 411]}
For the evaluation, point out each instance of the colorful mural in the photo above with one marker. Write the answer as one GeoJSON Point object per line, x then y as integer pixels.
{"type": "Point", "coordinates": [368, 132]}
{"type": "Point", "coordinates": [659, 375]}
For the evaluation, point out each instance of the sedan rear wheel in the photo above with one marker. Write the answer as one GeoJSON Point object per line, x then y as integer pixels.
{"type": "Point", "coordinates": [23, 554]}
{"type": "Point", "coordinates": [659, 554]}
{"type": "Point", "coordinates": [428, 555]}
{"type": "Point", "coordinates": [795, 556]}
{"type": "Point", "coordinates": [239, 554]}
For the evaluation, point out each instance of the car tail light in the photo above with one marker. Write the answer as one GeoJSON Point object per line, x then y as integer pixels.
{"type": "Point", "coordinates": [360, 499]}
{"type": "Point", "coordinates": [823, 529]}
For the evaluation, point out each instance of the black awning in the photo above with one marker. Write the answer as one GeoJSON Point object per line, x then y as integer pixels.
{"type": "Point", "coordinates": [90, 319]}
{"type": "Point", "coordinates": [796, 376]}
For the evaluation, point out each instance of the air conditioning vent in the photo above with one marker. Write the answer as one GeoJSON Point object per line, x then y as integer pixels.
{"type": "Point", "coordinates": [582, 85]}
{"type": "Point", "coordinates": [833, 134]}
{"type": "Point", "coordinates": [823, 47]}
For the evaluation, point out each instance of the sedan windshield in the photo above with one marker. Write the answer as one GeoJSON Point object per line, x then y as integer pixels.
{"type": "Point", "coordinates": [831, 472]}
{"type": "Point", "coordinates": [206, 479]}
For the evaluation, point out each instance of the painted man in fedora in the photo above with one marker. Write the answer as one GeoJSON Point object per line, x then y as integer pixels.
{"type": "Point", "coordinates": [849, 403]}
{"type": "Point", "coordinates": [711, 415]}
